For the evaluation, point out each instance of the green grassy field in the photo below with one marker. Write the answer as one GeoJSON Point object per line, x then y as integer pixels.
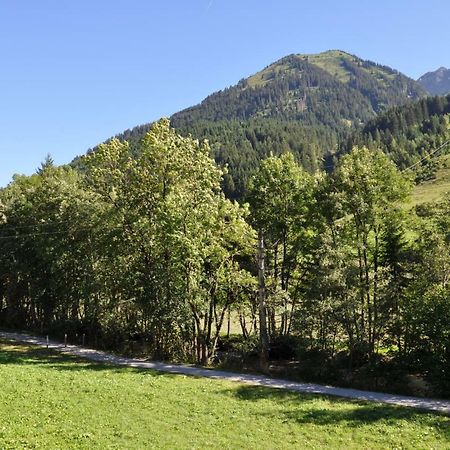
{"type": "Point", "coordinates": [435, 189]}
{"type": "Point", "coordinates": [50, 401]}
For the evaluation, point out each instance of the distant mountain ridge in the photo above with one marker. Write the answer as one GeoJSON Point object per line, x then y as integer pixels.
{"type": "Point", "coordinates": [437, 82]}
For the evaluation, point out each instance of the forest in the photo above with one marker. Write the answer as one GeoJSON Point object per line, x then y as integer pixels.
{"type": "Point", "coordinates": [335, 270]}
{"type": "Point", "coordinates": [309, 105]}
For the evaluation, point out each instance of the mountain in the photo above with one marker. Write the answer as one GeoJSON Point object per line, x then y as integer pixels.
{"type": "Point", "coordinates": [410, 134]}
{"type": "Point", "coordinates": [306, 104]}
{"type": "Point", "coordinates": [332, 88]}
{"type": "Point", "coordinates": [437, 82]}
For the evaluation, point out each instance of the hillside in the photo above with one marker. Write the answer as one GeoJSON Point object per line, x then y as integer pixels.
{"type": "Point", "coordinates": [409, 134]}
{"type": "Point", "coordinates": [332, 88]}
{"type": "Point", "coordinates": [305, 104]}
{"type": "Point", "coordinates": [435, 188]}
{"type": "Point", "coordinates": [437, 82]}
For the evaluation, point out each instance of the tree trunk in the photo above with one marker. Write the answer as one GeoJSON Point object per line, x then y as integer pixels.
{"type": "Point", "coordinates": [263, 336]}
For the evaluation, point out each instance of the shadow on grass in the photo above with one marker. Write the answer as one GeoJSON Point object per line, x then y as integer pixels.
{"type": "Point", "coordinates": [25, 354]}
{"type": "Point", "coordinates": [306, 409]}
{"type": "Point", "coordinates": [293, 407]}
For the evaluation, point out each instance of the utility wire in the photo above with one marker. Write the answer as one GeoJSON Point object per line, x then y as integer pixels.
{"type": "Point", "coordinates": [332, 166]}
{"type": "Point", "coordinates": [17, 236]}
{"type": "Point", "coordinates": [428, 156]}
{"type": "Point", "coordinates": [36, 225]}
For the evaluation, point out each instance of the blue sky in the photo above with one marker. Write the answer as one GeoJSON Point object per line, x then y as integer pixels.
{"type": "Point", "coordinates": [74, 73]}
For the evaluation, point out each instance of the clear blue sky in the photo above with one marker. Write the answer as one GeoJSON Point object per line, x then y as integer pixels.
{"type": "Point", "coordinates": [75, 72]}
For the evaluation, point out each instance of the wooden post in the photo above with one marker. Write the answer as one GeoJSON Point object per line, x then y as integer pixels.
{"type": "Point", "coordinates": [46, 339]}
{"type": "Point", "coordinates": [83, 339]}
{"type": "Point", "coordinates": [65, 340]}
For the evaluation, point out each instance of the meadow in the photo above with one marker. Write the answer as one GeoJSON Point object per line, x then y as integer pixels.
{"type": "Point", "coordinates": [436, 188]}
{"type": "Point", "coordinates": [52, 401]}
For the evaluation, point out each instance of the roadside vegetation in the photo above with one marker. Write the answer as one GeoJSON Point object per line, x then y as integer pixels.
{"type": "Point", "coordinates": [327, 274]}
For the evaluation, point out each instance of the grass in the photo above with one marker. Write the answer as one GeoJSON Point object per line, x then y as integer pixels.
{"type": "Point", "coordinates": [264, 76]}
{"type": "Point", "coordinates": [331, 62]}
{"type": "Point", "coordinates": [52, 401]}
{"type": "Point", "coordinates": [435, 189]}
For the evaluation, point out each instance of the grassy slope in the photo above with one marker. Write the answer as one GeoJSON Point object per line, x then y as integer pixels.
{"type": "Point", "coordinates": [330, 61]}
{"type": "Point", "coordinates": [435, 189]}
{"type": "Point", "coordinates": [50, 401]}
{"type": "Point", "coordinates": [264, 76]}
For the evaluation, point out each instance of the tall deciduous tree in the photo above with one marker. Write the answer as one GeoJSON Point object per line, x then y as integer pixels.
{"type": "Point", "coordinates": [370, 190]}
{"type": "Point", "coordinates": [182, 236]}
{"type": "Point", "coordinates": [281, 197]}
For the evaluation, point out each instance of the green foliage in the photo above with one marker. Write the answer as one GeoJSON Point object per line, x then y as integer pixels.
{"type": "Point", "coordinates": [350, 284]}
{"type": "Point", "coordinates": [408, 134]}
{"type": "Point", "coordinates": [435, 189]}
{"type": "Point", "coordinates": [183, 236]}
{"type": "Point", "coordinates": [240, 146]}
{"type": "Point", "coordinates": [46, 257]}
{"type": "Point", "coordinates": [303, 104]}
{"type": "Point", "coordinates": [301, 87]}
{"type": "Point", "coordinates": [371, 190]}
{"type": "Point", "coordinates": [281, 199]}
{"type": "Point", "coordinates": [143, 246]}
{"type": "Point", "coordinates": [137, 246]}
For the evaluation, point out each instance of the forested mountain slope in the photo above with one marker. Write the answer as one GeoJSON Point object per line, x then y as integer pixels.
{"type": "Point", "coordinates": [305, 104]}
{"type": "Point", "coordinates": [332, 88]}
{"type": "Point", "coordinates": [409, 134]}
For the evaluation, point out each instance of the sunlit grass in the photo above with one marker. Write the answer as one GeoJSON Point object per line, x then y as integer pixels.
{"type": "Point", "coordinates": [52, 401]}
{"type": "Point", "coordinates": [435, 189]}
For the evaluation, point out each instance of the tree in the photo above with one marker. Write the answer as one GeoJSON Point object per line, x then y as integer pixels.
{"type": "Point", "coordinates": [370, 190]}
{"type": "Point", "coordinates": [182, 236]}
{"type": "Point", "coordinates": [280, 196]}
{"type": "Point", "coordinates": [46, 259]}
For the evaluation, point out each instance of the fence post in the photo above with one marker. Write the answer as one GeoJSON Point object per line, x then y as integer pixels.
{"type": "Point", "coordinates": [65, 340]}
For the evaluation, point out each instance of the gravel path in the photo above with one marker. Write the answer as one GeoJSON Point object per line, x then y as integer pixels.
{"type": "Point", "coordinates": [442, 406]}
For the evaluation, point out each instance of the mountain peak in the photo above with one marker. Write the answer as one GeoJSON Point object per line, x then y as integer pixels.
{"type": "Point", "coordinates": [300, 103]}
{"type": "Point", "coordinates": [332, 52]}
{"type": "Point", "coordinates": [306, 87]}
{"type": "Point", "coordinates": [437, 82]}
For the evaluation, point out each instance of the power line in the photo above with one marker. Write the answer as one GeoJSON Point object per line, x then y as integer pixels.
{"type": "Point", "coordinates": [428, 156]}
{"type": "Point", "coordinates": [18, 227]}
{"type": "Point", "coordinates": [18, 236]}
{"type": "Point", "coordinates": [332, 166]}
{"type": "Point", "coordinates": [36, 225]}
